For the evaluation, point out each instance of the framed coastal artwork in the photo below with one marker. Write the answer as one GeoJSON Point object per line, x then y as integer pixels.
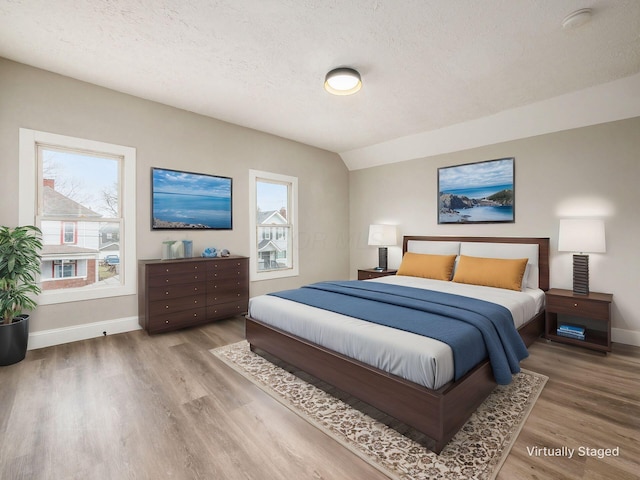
{"type": "Point", "coordinates": [481, 192]}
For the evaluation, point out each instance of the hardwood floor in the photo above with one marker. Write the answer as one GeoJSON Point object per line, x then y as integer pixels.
{"type": "Point", "coordinates": [134, 406]}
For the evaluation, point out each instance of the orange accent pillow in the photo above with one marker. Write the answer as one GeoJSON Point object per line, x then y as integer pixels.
{"type": "Point", "coordinates": [491, 272]}
{"type": "Point", "coordinates": [438, 267]}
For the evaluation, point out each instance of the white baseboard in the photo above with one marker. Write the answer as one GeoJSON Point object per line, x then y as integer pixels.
{"type": "Point", "coordinates": [57, 336]}
{"type": "Point", "coordinates": [628, 337]}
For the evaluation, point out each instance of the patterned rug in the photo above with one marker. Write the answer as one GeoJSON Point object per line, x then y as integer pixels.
{"type": "Point", "coordinates": [476, 452]}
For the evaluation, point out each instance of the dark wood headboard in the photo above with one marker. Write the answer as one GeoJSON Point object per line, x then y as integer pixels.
{"type": "Point", "coordinates": [543, 249]}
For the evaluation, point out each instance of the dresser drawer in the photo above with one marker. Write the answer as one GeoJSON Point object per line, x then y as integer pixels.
{"type": "Point", "coordinates": [181, 319]}
{"type": "Point", "coordinates": [577, 306]}
{"type": "Point", "coordinates": [224, 297]}
{"type": "Point", "coordinates": [225, 284]}
{"type": "Point", "coordinates": [175, 268]}
{"type": "Point", "coordinates": [166, 292]}
{"type": "Point", "coordinates": [172, 305]}
{"type": "Point", "coordinates": [227, 265]}
{"type": "Point", "coordinates": [236, 276]}
{"type": "Point", "coordinates": [225, 310]}
{"type": "Point", "coordinates": [177, 279]}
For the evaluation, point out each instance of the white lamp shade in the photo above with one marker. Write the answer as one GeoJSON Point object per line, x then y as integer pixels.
{"type": "Point", "coordinates": [581, 235]}
{"type": "Point", "coordinates": [382, 235]}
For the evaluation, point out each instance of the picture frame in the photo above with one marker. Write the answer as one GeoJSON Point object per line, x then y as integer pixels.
{"type": "Point", "coordinates": [480, 192]}
{"type": "Point", "coordinates": [190, 201]}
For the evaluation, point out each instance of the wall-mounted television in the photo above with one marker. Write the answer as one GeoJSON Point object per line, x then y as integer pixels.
{"type": "Point", "coordinates": [190, 201]}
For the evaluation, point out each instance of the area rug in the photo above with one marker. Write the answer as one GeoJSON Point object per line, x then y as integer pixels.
{"type": "Point", "coordinates": [476, 452]}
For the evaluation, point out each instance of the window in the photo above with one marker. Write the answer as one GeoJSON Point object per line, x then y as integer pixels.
{"type": "Point", "coordinates": [81, 194]}
{"type": "Point", "coordinates": [274, 234]}
{"type": "Point", "coordinates": [64, 268]}
{"type": "Point", "coordinates": [69, 232]}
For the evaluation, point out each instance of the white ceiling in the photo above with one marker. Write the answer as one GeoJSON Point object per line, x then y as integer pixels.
{"type": "Point", "coordinates": [438, 75]}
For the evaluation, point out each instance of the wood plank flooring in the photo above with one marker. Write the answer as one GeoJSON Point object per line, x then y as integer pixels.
{"type": "Point", "coordinates": [134, 406]}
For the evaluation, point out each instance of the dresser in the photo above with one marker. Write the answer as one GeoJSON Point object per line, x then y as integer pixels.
{"type": "Point", "coordinates": [181, 293]}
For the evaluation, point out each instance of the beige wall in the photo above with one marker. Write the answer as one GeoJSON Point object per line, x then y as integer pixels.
{"type": "Point", "coordinates": [587, 171]}
{"type": "Point", "coordinates": [173, 138]}
{"type": "Point", "coordinates": [593, 171]}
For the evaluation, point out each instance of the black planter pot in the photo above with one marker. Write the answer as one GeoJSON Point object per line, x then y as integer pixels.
{"type": "Point", "coordinates": [13, 340]}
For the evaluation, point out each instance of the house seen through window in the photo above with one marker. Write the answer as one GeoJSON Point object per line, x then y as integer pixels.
{"type": "Point", "coordinates": [274, 247]}
{"type": "Point", "coordinates": [79, 215]}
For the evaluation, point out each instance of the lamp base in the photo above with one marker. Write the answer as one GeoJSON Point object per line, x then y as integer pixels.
{"type": "Point", "coordinates": [382, 258]}
{"type": "Point", "coordinates": [581, 274]}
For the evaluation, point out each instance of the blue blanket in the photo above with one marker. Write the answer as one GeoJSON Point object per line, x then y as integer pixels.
{"type": "Point", "coordinates": [474, 329]}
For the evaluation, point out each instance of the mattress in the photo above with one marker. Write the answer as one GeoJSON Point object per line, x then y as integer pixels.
{"type": "Point", "coordinates": [419, 359]}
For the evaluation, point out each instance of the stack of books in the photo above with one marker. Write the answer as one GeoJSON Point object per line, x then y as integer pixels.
{"type": "Point", "coordinates": [570, 331]}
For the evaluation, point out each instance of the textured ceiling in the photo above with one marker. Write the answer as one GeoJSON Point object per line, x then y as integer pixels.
{"type": "Point", "coordinates": [426, 65]}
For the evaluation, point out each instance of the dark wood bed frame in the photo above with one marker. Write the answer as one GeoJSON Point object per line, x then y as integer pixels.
{"type": "Point", "coordinates": [440, 413]}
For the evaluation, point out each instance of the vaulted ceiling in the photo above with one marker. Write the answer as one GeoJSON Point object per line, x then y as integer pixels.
{"type": "Point", "coordinates": [438, 75]}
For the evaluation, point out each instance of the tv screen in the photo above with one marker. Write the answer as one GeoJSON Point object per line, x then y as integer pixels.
{"type": "Point", "coordinates": [187, 200]}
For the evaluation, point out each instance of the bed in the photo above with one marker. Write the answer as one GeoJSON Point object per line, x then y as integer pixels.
{"type": "Point", "coordinates": [437, 405]}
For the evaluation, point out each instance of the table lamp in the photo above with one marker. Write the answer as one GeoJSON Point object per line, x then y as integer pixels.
{"type": "Point", "coordinates": [581, 235]}
{"type": "Point", "coordinates": [382, 236]}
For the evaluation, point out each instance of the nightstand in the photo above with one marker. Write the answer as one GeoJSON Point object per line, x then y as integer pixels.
{"type": "Point", "coordinates": [590, 311]}
{"type": "Point", "coordinates": [367, 273]}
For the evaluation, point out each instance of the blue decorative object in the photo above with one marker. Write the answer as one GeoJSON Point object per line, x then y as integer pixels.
{"type": "Point", "coordinates": [210, 252]}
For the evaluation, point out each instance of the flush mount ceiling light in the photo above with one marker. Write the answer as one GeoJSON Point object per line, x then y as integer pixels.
{"type": "Point", "coordinates": [577, 18]}
{"type": "Point", "coordinates": [342, 81]}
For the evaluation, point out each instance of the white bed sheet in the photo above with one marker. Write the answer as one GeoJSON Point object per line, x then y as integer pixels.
{"type": "Point", "coordinates": [419, 359]}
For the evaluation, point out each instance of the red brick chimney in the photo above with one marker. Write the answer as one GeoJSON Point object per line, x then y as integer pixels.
{"type": "Point", "coordinates": [50, 182]}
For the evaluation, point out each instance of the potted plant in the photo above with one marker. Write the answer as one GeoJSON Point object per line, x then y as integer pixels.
{"type": "Point", "coordinates": [19, 266]}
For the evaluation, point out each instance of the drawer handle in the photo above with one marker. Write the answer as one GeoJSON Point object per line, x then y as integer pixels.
{"type": "Point", "coordinates": [166, 321]}
{"type": "Point", "coordinates": [166, 306]}
{"type": "Point", "coordinates": [195, 314]}
{"type": "Point", "coordinates": [195, 289]}
{"type": "Point", "coordinates": [166, 293]}
{"type": "Point", "coordinates": [167, 270]}
{"type": "Point", "coordinates": [195, 277]}
{"type": "Point", "coordinates": [166, 280]}
{"type": "Point", "coordinates": [195, 301]}
{"type": "Point", "coordinates": [575, 304]}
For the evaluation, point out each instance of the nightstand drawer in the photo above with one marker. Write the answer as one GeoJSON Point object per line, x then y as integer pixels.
{"type": "Point", "coordinates": [369, 273]}
{"type": "Point", "coordinates": [578, 306]}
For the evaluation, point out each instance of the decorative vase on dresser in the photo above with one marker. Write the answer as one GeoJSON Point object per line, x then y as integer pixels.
{"type": "Point", "coordinates": [181, 293]}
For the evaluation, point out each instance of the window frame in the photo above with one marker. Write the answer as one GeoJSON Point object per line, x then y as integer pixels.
{"type": "Point", "coordinates": [292, 212]}
{"type": "Point", "coordinates": [29, 176]}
